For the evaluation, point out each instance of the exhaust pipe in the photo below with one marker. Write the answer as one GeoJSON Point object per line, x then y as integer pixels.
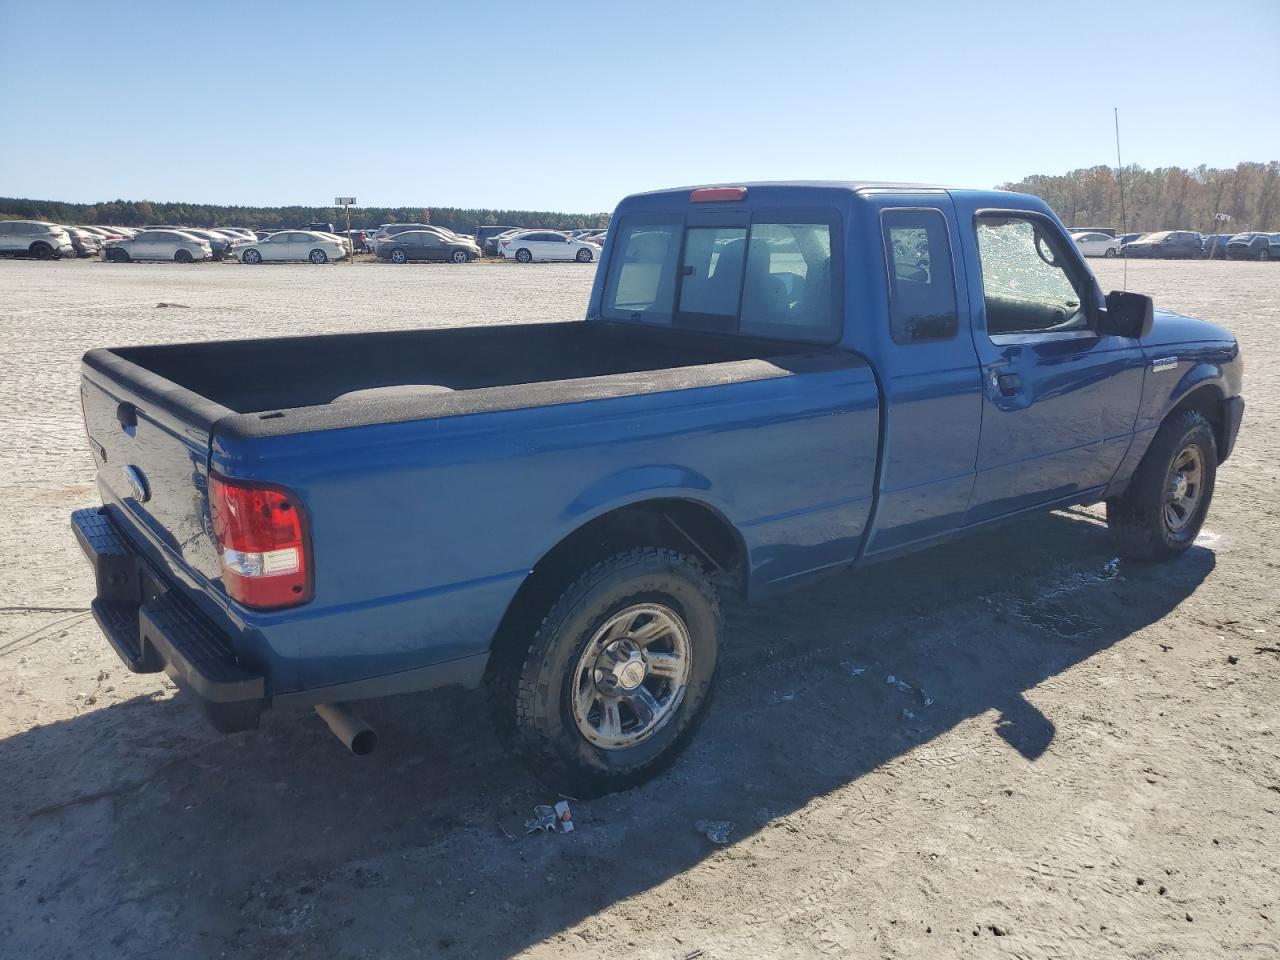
{"type": "Point", "coordinates": [357, 735]}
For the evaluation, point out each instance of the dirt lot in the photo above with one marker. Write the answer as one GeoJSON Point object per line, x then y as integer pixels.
{"type": "Point", "coordinates": [1007, 746]}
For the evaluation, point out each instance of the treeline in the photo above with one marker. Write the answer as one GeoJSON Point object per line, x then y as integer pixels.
{"type": "Point", "coordinates": [136, 213]}
{"type": "Point", "coordinates": [1166, 198]}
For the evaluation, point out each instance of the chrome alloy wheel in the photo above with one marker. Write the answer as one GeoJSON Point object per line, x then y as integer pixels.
{"type": "Point", "coordinates": [1183, 488]}
{"type": "Point", "coordinates": [632, 676]}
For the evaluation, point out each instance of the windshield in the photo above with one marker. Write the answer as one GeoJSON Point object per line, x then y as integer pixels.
{"type": "Point", "coordinates": [768, 279]}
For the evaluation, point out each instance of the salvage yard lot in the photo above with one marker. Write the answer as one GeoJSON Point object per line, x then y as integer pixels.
{"type": "Point", "coordinates": [1010, 745]}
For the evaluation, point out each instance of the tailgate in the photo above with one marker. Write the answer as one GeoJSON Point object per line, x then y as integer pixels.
{"type": "Point", "coordinates": [150, 442]}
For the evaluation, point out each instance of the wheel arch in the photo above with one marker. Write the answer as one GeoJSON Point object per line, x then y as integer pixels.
{"type": "Point", "coordinates": [1208, 398]}
{"type": "Point", "coordinates": [672, 520]}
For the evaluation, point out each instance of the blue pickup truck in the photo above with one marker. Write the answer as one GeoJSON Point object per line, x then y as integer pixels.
{"type": "Point", "coordinates": [773, 382]}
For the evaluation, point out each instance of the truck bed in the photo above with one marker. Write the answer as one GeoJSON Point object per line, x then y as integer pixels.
{"type": "Point", "coordinates": [422, 373]}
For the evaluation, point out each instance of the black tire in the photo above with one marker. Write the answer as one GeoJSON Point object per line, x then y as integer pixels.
{"type": "Point", "coordinates": [1264, 254]}
{"type": "Point", "coordinates": [1110, 252]}
{"type": "Point", "coordinates": [531, 684]}
{"type": "Point", "coordinates": [1139, 519]}
{"type": "Point", "coordinates": [524, 256]}
{"type": "Point", "coordinates": [459, 256]}
{"type": "Point", "coordinates": [41, 250]}
{"type": "Point", "coordinates": [116, 255]}
{"type": "Point", "coordinates": [583, 256]}
{"type": "Point", "coordinates": [182, 255]}
{"type": "Point", "coordinates": [251, 257]}
{"type": "Point", "coordinates": [398, 256]}
{"type": "Point", "coordinates": [318, 256]}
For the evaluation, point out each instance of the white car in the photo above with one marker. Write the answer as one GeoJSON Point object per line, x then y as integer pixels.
{"type": "Point", "coordinates": [293, 246]}
{"type": "Point", "coordinates": [1096, 244]}
{"type": "Point", "coordinates": [158, 245]}
{"type": "Point", "coordinates": [36, 238]}
{"type": "Point", "coordinates": [546, 245]}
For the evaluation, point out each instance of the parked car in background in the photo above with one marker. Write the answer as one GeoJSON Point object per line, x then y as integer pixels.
{"type": "Point", "coordinates": [219, 243]}
{"type": "Point", "coordinates": [297, 246]}
{"type": "Point", "coordinates": [547, 245]}
{"type": "Point", "coordinates": [35, 238]}
{"type": "Point", "coordinates": [1129, 237]}
{"type": "Point", "coordinates": [486, 233]}
{"type": "Point", "coordinates": [391, 229]}
{"type": "Point", "coordinates": [1107, 231]}
{"type": "Point", "coordinates": [1096, 244]}
{"type": "Point", "coordinates": [1166, 245]}
{"type": "Point", "coordinates": [1253, 245]}
{"type": "Point", "coordinates": [238, 234]}
{"type": "Point", "coordinates": [317, 227]}
{"type": "Point", "coordinates": [426, 245]}
{"type": "Point", "coordinates": [104, 233]}
{"type": "Point", "coordinates": [175, 245]}
{"type": "Point", "coordinates": [263, 234]}
{"type": "Point", "coordinates": [491, 244]}
{"type": "Point", "coordinates": [1215, 245]}
{"type": "Point", "coordinates": [358, 240]}
{"type": "Point", "coordinates": [86, 243]}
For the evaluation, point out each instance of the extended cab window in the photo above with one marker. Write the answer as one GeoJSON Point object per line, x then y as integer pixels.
{"type": "Point", "coordinates": [922, 288]}
{"type": "Point", "coordinates": [1025, 284]}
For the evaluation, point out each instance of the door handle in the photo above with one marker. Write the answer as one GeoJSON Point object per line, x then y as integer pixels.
{"type": "Point", "coordinates": [1009, 384]}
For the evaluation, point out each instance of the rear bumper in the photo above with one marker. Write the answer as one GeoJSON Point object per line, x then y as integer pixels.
{"type": "Point", "coordinates": [152, 629]}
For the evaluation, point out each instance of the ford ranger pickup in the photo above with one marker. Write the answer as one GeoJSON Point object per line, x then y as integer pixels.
{"type": "Point", "coordinates": [773, 382]}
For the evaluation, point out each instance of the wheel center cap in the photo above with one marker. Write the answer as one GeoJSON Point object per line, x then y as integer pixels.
{"type": "Point", "coordinates": [1179, 487]}
{"type": "Point", "coordinates": [631, 675]}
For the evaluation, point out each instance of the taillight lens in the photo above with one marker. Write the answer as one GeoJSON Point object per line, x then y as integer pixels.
{"type": "Point", "coordinates": [264, 544]}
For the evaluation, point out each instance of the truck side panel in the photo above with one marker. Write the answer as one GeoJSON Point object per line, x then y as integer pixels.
{"type": "Point", "coordinates": [424, 530]}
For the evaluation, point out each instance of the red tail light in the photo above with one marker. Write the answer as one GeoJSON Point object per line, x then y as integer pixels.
{"type": "Point", "coordinates": [264, 543]}
{"type": "Point", "coordinates": [717, 194]}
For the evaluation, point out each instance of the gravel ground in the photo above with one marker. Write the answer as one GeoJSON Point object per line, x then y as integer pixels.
{"type": "Point", "coordinates": [1010, 745]}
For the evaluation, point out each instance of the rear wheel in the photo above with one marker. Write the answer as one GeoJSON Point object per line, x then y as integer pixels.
{"type": "Point", "coordinates": [399, 256]}
{"type": "Point", "coordinates": [41, 250]}
{"type": "Point", "coordinates": [182, 256]}
{"type": "Point", "coordinates": [1160, 514]}
{"type": "Point", "coordinates": [584, 256]}
{"type": "Point", "coordinates": [318, 256]}
{"type": "Point", "coordinates": [613, 683]}
{"type": "Point", "coordinates": [1264, 254]}
{"type": "Point", "coordinates": [1111, 252]}
{"type": "Point", "coordinates": [524, 256]}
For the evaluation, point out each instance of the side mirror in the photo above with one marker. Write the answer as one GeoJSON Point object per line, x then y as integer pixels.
{"type": "Point", "coordinates": [1127, 315]}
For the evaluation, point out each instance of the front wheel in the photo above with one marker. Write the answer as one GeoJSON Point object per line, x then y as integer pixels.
{"type": "Point", "coordinates": [615, 680]}
{"type": "Point", "coordinates": [399, 256]}
{"type": "Point", "coordinates": [1264, 254]}
{"type": "Point", "coordinates": [584, 255]}
{"type": "Point", "coordinates": [251, 257]}
{"type": "Point", "coordinates": [1160, 514]}
{"type": "Point", "coordinates": [318, 257]}
{"type": "Point", "coordinates": [524, 256]}
{"type": "Point", "coordinates": [116, 255]}
{"type": "Point", "coordinates": [459, 256]}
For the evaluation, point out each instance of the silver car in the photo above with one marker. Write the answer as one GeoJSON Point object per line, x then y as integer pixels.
{"type": "Point", "coordinates": [35, 238]}
{"type": "Point", "coordinates": [159, 245]}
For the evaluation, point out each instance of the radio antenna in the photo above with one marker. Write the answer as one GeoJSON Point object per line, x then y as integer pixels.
{"type": "Point", "coordinates": [1124, 223]}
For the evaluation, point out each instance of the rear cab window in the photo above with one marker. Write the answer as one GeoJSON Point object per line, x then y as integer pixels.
{"type": "Point", "coordinates": [756, 273]}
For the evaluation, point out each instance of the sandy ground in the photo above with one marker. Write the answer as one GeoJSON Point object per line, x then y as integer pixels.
{"type": "Point", "coordinates": [1006, 746]}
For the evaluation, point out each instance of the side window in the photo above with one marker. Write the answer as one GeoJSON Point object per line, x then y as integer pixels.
{"type": "Point", "coordinates": [1025, 287]}
{"type": "Point", "coordinates": [712, 270]}
{"type": "Point", "coordinates": [922, 286]}
{"type": "Point", "coordinates": [641, 282]}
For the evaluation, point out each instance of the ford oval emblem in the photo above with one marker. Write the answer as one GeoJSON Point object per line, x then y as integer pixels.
{"type": "Point", "coordinates": [137, 484]}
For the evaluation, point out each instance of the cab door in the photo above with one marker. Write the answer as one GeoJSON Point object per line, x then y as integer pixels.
{"type": "Point", "coordinates": [1059, 399]}
{"type": "Point", "coordinates": [929, 374]}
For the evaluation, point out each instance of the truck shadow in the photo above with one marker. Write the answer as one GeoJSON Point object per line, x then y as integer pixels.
{"type": "Point", "coordinates": [278, 842]}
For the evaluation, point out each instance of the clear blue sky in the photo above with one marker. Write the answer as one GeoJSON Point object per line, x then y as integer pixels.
{"type": "Point", "coordinates": [569, 106]}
